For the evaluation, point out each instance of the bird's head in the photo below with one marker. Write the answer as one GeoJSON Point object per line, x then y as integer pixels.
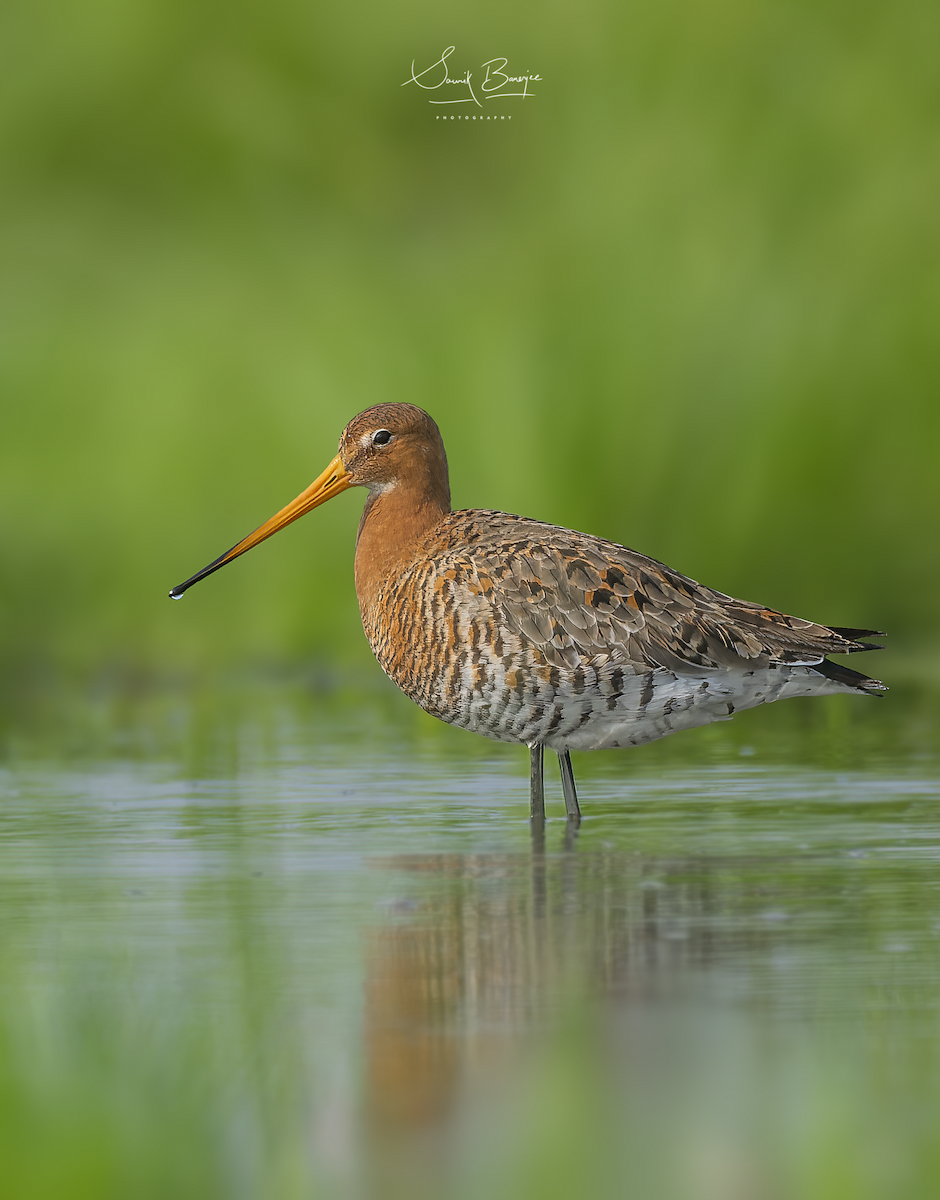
{"type": "Point", "coordinates": [388, 446]}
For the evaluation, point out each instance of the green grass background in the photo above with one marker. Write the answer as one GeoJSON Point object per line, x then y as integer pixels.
{"type": "Point", "coordinates": [687, 299]}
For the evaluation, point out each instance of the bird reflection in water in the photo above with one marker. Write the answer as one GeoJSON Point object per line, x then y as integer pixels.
{"type": "Point", "coordinates": [462, 981]}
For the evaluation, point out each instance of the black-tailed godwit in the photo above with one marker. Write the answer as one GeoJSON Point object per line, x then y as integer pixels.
{"type": "Point", "coordinates": [531, 633]}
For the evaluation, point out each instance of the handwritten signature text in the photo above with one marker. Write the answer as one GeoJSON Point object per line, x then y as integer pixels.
{"type": "Point", "coordinates": [495, 84]}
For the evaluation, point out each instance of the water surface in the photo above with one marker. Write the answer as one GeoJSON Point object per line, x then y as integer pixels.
{"type": "Point", "coordinates": [299, 945]}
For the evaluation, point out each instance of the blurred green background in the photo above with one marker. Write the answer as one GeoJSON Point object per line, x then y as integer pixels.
{"type": "Point", "coordinates": [251, 910]}
{"type": "Point", "coordinates": [687, 299]}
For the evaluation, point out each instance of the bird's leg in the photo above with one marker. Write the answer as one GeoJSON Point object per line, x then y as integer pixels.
{"type": "Point", "coordinates": [536, 785]}
{"type": "Point", "coordinates": [567, 783]}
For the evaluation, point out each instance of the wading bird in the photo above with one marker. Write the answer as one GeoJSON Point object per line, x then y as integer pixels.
{"type": "Point", "coordinates": [531, 633]}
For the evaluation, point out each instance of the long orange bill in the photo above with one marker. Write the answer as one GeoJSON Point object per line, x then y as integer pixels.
{"type": "Point", "coordinates": [333, 481]}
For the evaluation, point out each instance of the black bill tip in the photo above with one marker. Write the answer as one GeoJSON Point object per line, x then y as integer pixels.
{"type": "Point", "coordinates": [178, 592]}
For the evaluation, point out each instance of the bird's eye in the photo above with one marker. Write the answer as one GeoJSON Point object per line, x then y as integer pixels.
{"type": "Point", "coordinates": [381, 438]}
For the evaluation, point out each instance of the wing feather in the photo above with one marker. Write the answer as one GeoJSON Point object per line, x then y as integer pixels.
{"type": "Point", "coordinates": [578, 597]}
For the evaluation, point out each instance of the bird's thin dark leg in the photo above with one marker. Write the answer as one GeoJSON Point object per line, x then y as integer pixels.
{"type": "Point", "coordinates": [536, 785]}
{"type": "Point", "coordinates": [567, 783]}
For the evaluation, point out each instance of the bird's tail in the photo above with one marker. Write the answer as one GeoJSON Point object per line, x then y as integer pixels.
{"type": "Point", "coordinates": [845, 675]}
{"type": "Point", "coordinates": [853, 679]}
{"type": "Point", "coordinates": [856, 636]}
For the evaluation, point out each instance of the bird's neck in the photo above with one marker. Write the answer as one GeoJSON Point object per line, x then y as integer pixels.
{"type": "Point", "coordinates": [395, 522]}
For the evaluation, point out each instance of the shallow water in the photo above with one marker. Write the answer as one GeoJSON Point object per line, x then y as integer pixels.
{"type": "Point", "coordinates": [297, 945]}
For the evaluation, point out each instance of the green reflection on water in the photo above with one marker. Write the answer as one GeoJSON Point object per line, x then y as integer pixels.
{"type": "Point", "coordinates": [274, 943]}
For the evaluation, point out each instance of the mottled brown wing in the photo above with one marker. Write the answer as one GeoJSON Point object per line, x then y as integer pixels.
{"type": "Point", "coordinates": [578, 597]}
